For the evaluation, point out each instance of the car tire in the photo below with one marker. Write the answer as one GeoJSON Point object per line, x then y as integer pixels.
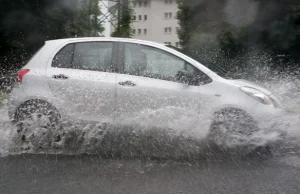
{"type": "Point", "coordinates": [231, 128]}
{"type": "Point", "coordinates": [39, 110]}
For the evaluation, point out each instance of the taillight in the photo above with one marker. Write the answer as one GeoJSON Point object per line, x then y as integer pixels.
{"type": "Point", "coordinates": [20, 74]}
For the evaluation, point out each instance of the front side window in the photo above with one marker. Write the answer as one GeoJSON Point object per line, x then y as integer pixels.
{"type": "Point", "coordinates": [95, 56]}
{"type": "Point", "coordinates": [151, 62]}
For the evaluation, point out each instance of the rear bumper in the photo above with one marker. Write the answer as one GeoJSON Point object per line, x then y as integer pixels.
{"type": "Point", "coordinates": [16, 98]}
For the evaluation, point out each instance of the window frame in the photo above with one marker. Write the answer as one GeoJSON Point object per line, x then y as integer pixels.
{"type": "Point", "coordinates": [121, 62]}
{"type": "Point", "coordinates": [168, 15]}
{"type": "Point", "coordinates": [146, 3]}
{"type": "Point", "coordinates": [113, 61]}
{"type": "Point", "coordinates": [168, 30]}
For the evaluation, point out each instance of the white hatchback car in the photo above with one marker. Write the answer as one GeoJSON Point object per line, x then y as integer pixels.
{"type": "Point", "coordinates": [128, 81]}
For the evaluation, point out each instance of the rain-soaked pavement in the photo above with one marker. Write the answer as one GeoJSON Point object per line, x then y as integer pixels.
{"type": "Point", "coordinates": [41, 172]}
{"type": "Point", "coordinates": [91, 174]}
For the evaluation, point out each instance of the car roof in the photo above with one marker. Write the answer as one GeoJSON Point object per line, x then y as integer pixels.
{"type": "Point", "coordinates": [65, 40]}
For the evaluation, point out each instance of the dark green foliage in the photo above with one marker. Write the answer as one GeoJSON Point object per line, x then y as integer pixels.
{"type": "Point", "coordinates": [225, 31]}
{"type": "Point", "coordinates": [26, 25]}
{"type": "Point", "coordinates": [124, 27]}
{"type": "Point", "coordinates": [185, 17]}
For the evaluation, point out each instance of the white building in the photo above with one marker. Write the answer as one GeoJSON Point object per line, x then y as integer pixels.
{"type": "Point", "coordinates": [155, 20]}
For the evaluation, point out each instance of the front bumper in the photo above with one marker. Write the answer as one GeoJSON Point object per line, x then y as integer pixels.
{"type": "Point", "coordinates": [273, 124]}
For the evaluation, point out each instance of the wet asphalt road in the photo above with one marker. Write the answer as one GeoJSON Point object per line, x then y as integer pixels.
{"type": "Point", "coordinates": [92, 174]}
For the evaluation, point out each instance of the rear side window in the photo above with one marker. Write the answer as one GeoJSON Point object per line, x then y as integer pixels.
{"type": "Point", "coordinates": [95, 56]}
{"type": "Point", "coordinates": [63, 59]}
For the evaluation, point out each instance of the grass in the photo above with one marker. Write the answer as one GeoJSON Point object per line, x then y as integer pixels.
{"type": "Point", "coordinates": [3, 96]}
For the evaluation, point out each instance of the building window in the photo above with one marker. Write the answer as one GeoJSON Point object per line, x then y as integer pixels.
{"type": "Point", "coordinates": [168, 30]}
{"type": "Point", "coordinates": [139, 31]}
{"type": "Point", "coordinates": [168, 15]}
{"type": "Point", "coordinates": [140, 4]}
{"type": "Point", "coordinates": [145, 3]}
{"type": "Point", "coordinates": [167, 43]}
{"type": "Point", "coordinates": [140, 17]}
{"type": "Point", "coordinates": [177, 44]}
{"type": "Point", "coordinates": [168, 1]}
{"type": "Point", "coordinates": [134, 17]}
{"type": "Point", "coordinates": [133, 31]}
{"type": "Point", "coordinates": [145, 31]}
{"type": "Point", "coordinates": [145, 17]}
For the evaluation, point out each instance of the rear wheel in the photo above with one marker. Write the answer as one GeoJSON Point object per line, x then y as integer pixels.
{"type": "Point", "coordinates": [37, 114]}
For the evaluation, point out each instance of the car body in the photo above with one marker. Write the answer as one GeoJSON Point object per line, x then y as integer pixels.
{"type": "Point", "coordinates": [128, 81]}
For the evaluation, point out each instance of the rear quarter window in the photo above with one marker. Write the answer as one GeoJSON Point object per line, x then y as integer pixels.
{"type": "Point", "coordinates": [63, 59]}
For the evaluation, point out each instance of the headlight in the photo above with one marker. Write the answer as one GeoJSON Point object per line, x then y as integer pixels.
{"type": "Point", "coordinates": [259, 95]}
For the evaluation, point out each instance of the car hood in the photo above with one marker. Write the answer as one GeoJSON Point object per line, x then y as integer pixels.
{"type": "Point", "coordinates": [241, 83]}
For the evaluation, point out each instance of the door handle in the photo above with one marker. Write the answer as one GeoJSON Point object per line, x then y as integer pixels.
{"type": "Point", "coordinates": [127, 83]}
{"type": "Point", "coordinates": [60, 76]}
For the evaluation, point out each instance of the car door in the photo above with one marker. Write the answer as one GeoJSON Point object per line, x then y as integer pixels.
{"type": "Point", "coordinates": [81, 78]}
{"type": "Point", "coordinates": [149, 91]}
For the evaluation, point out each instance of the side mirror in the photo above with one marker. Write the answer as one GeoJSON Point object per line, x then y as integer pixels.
{"type": "Point", "coordinates": [184, 76]}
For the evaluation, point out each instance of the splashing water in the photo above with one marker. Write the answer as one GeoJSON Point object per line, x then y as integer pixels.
{"type": "Point", "coordinates": [135, 140]}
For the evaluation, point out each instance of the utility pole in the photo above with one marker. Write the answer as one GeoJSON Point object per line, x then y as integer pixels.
{"type": "Point", "coordinates": [119, 14]}
{"type": "Point", "coordinates": [73, 4]}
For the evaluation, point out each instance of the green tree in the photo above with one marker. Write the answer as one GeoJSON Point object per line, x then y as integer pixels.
{"type": "Point", "coordinates": [185, 18]}
{"type": "Point", "coordinates": [125, 20]}
{"type": "Point", "coordinates": [26, 25]}
{"type": "Point", "coordinates": [210, 35]}
{"type": "Point", "coordinates": [85, 19]}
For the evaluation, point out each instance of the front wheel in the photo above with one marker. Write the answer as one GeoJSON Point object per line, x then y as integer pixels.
{"type": "Point", "coordinates": [232, 128]}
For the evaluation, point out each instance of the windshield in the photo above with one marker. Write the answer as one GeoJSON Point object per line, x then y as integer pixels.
{"type": "Point", "coordinates": [214, 67]}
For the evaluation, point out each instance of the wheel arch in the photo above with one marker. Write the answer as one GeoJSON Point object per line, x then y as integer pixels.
{"type": "Point", "coordinates": [230, 109]}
